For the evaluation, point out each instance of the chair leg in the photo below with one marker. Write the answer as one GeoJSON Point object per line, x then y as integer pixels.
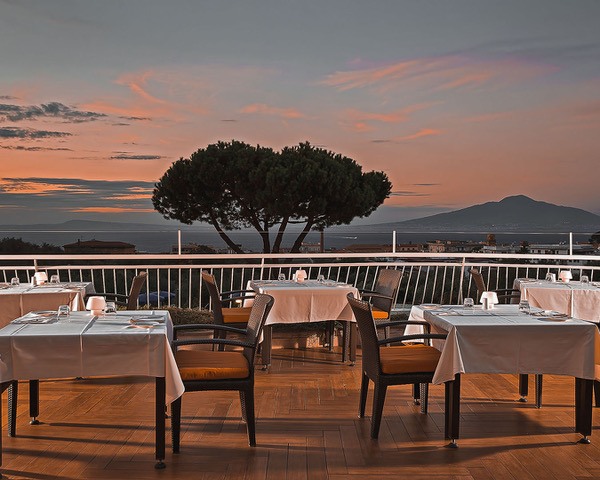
{"type": "Point", "coordinates": [175, 424]}
{"type": "Point", "coordinates": [416, 394]}
{"type": "Point", "coordinates": [248, 407]}
{"type": "Point", "coordinates": [330, 335]}
{"type": "Point", "coordinates": [597, 392]}
{"type": "Point", "coordinates": [538, 390]}
{"type": "Point", "coordinates": [13, 393]}
{"type": "Point", "coordinates": [364, 388]}
{"type": "Point", "coordinates": [378, 400]}
{"type": "Point", "coordinates": [221, 334]}
{"type": "Point", "coordinates": [424, 387]}
{"type": "Point", "coordinates": [243, 405]}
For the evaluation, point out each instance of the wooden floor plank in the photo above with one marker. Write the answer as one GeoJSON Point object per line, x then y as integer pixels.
{"type": "Point", "coordinates": [307, 428]}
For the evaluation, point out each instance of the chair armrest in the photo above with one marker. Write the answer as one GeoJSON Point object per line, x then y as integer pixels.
{"type": "Point", "coordinates": [376, 295]}
{"type": "Point", "coordinates": [237, 291]}
{"type": "Point", "coordinates": [206, 326]}
{"type": "Point", "coordinates": [505, 291]}
{"type": "Point", "coordinates": [404, 322]}
{"type": "Point", "coordinates": [402, 338]}
{"type": "Point", "coordinates": [232, 299]}
{"type": "Point", "coordinates": [116, 296]}
{"type": "Point", "coordinates": [210, 341]}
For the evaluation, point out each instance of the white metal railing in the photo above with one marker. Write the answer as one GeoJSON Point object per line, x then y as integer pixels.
{"type": "Point", "coordinates": [428, 278]}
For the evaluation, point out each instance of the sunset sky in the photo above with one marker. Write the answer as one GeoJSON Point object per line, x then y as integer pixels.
{"type": "Point", "coordinates": [459, 102]}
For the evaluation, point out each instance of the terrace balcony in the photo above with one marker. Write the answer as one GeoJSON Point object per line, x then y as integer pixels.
{"type": "Point", "coordinates": [307, 402]}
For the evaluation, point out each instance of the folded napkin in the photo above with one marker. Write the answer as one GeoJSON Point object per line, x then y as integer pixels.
{"type": "Point", "coordinates": [37, 317]}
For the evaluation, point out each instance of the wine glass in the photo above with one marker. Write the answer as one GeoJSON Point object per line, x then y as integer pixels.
{"type": "Point", "coordinates": [15, 281]}
{"type": "Point", "coordinates": [111, 307]}
{"type": "Point", "coordinates": [468, 303]}
{"type": "Point", "coordinates": [585, 279]}
{"type": "Point", "coordinates": [64, 311]}
{"type": "Point", "coordinates": [524, 307]}
{"type": "Point", "coordinates": [281, 277]}
{"type": "Point", "coordinates": [54, 279]}
{"type": "Point", "coordinates": [320, 278]}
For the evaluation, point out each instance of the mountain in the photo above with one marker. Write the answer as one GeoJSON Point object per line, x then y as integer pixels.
{"type": "Point", "coordinates": [511, 214]}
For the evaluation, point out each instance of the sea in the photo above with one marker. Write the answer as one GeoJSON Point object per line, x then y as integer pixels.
{"type": "Point", "coordinates": [164, 241]}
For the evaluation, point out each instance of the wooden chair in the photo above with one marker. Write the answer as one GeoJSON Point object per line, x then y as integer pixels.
{"type": "Point", "coordinates": [505, 295]}
{"type": "Point", "coordinates": [236, 317]}
{"type": "Point", "coordinates": [203, 370]}
{"type": "Point", "coordinates": [394, 365]}
{"type": "Point", "coordinates": [128, 301]}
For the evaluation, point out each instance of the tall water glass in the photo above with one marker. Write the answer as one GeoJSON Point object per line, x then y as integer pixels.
{"type": "Point", "coordinates": [524, 307]}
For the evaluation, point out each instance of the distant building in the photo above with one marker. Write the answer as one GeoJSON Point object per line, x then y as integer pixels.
{"type": "Point", "coordinates": [99, 247]}
{"type": "Point", "coordinates": [377, 248]}
{"type": "Point", "coordinates": [453, 246]}
{"type": "Point", "coordinates": [310, 247]}
{"type": "Point", "coordinates": [192, 248]}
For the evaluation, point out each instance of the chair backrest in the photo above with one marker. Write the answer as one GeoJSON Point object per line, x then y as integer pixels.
{"type": "Point", "coordinates": [258, 315]}
{"type": "Point", "coordinates": [134, 291]}
{"type": "Point", "coordinates": [211, 284]}
{"type": "Point", "coordinates": [479, 283]}
{"type": "Point", "coordinates": [388, 283]}
{"type": "Point", "coordinates": [368, 334]}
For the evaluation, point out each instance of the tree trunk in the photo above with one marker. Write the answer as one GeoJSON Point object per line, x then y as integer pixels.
{"type": "Point", "coordinates": [279, 238]}
{"type": "Point", "coordinates": [224, 236]}
{"type": "Point", "coordinates": [302, 236]}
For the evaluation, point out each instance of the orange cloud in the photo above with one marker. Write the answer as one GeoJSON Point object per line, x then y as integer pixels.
{"type": "Point", "coordinates": [393, 117]}
{"type": "Point", "coordinates": [358, 127]}
{"type": "Point", "coordinates": [110, 210]}
{"type": "Point", "coordinates": [424, 132]}
{"type": "Point", "coordinates": [275, 111]}
{"type": "Point", "coordinates": [449, 72]}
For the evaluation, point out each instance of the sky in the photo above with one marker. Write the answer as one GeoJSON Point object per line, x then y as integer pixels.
{"type": "Point", "coordinates": [459, 102]}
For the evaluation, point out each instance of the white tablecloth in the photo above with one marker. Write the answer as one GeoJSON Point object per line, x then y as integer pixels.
{"type": "Point", "coordinates": [580, 300]}
{"type": "Point", "coordinates": [504, 340]}
{"type": "Point", "coordinates": [17, 300]}
{"type": "Point", "coordinates": [87, 346]}
{"type": "Point", "coordinates": [308, 301]}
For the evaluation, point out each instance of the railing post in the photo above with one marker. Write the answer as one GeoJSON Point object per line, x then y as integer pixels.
{"type": "Point", "coordinates": [394, 241]}
{"type": "Point", "coordinates": [35, 265]}
{"type": "Point", "coordinates": [179, 242]}
{"type": "Point", "coordinates": [462, 276]}
{"type": "Point", "coordinates": [570, 243]}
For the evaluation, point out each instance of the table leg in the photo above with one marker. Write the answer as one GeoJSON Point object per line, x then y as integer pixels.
{"type": "Point", "coordinates": [523, 387]}
{"type": "Point", "coordinates": [597, 392]}
{"type": "Point", "coordinates": [583, 408]}
{"type": "Point", "coordinates": [539, 382]}
{"type": "Point", "coordinates": [266, 346]}
{"type": "Point", "coordinates": [160, 422]}
{"type": "Point", "coordinates": [13, 395]}
{"type": "Point", "coordinates": [353, 341]}
{"type": "Point", "coordinates": [452, 415]}
{"type": "Point", "coordinates": [34, 401]}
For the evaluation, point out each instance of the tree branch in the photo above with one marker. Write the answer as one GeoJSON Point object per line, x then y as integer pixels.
{"type": "Point", "coordinates": [279, 238]}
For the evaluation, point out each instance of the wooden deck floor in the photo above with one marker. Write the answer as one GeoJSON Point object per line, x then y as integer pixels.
{"type": "Point", "coordinates": [307, 428]}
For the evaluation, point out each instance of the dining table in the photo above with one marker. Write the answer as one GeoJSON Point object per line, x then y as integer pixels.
{"type": "Point", "coordinates": [306, 302]}
{"type": "Point", "coordinates": [17, 300]}
{"type": "Point", "coordinates": [506, 340]}
{"type": "Point", "coordinates": [43, 346]}
{"type": "Point", "coordinates": [574, 298]}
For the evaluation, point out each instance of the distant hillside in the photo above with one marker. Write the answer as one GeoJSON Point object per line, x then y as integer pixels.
{"type": "Point", "coordinates": [98, 226]}
{"type": "Point", "coordinates": [511, 214]}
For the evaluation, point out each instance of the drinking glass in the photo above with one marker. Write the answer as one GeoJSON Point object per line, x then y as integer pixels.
{"type": "Point", "coordinates": [549, 277]}
{"type": "Point", "coordinates": [15, 281]}
{"type": "Point", "coordinates": [281, 277]}
{"type": "Point", "coordinates": [111, 307]}
{"type": "Point", "coordinates": [524, 307]}
{"type": "Point", "coordinates": [64, 311]}
{"type": "Point", "coordinates": [468, 303]}
{"type": "Point", "coordinates": [585, 279]}
{"type": "Point", "coordinates": [320, 278]}
{"type": "Point", "coordinates": [54, 279]}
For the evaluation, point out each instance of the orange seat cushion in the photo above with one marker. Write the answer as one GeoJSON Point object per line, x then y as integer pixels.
{"type": "Point", "coordinates": [236, 315]}
{"type": "Point", "coordinates": [207, 365]}
{"type": "Point", "coordinates": [379, 314]}
{"type": "Point", "coordinates": [408, 359]}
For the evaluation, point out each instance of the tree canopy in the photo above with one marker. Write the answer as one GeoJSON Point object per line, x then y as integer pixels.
{"type": "Point", "coordinates": [233, 185]}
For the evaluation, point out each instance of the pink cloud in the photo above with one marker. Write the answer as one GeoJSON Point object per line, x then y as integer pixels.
{"type": "Point", "coordinates": [449, 72]}
{"type": "Point", "coordinates": [424, 132]}
{"type": "Point", "coordinates": [358, 127]}
{"type": "Point", "coordinates": [288, 113]}
{"type": "Point", "coordinates": [398, 116]}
